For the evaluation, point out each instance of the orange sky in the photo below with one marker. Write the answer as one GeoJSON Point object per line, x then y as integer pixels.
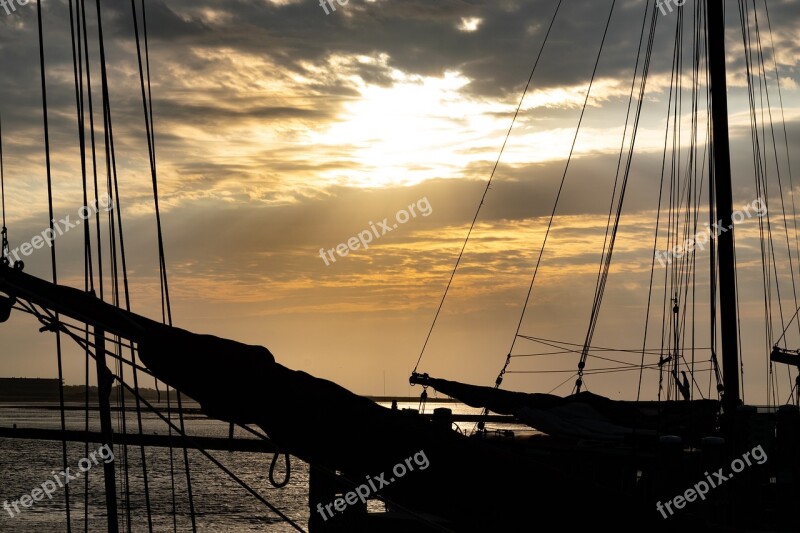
{"type": "Point", "coordinates": [281, 130]}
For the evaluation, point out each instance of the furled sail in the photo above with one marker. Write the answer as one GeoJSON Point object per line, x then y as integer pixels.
{"type": "Point", "coordinates": [584, 415]}
{"type": "Point", "coordinates": [326, 425]}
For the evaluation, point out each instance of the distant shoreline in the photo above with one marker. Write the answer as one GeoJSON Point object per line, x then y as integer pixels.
{"type": "Point", "coordinates": [152, 396]}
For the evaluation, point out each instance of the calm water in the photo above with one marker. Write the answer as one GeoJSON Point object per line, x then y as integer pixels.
{"type": "Point", "coordinates": [221, 504]}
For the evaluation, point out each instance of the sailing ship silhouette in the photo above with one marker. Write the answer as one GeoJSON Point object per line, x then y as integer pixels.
{"type": "Point", "coordinates": [597, 462]}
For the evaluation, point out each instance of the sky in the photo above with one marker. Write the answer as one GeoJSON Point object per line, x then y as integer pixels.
{"type": "Point", "coordinates": [284, 128]}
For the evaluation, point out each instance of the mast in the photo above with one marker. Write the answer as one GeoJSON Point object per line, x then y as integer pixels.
{"type": "Point", "coordinates": [105, 381]}
{"type": "Point", "coordinates": [721, 171]}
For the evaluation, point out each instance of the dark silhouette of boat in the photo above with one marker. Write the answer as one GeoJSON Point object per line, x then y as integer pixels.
{"type": "Point", "coordinates": [598, 462]}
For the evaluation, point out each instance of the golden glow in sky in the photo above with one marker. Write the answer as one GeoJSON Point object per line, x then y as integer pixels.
{"type": "Point", "coordinates": [281, 130]}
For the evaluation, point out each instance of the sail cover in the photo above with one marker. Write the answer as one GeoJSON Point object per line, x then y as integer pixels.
{"type": "Point", "coordinates": [584, 415]}
{"type": "Point", "coordinates": [488, 485]}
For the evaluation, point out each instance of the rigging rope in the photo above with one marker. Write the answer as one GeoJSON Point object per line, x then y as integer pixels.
{"type": "Point", "coordinates": [52, 322]}
{"type": "Point", "coordinates": [756, 66]}
{"type": "Point", "coordinates": [4, 249]}
{"type": "Point", "coordinates": [499, 379]}
{"type": "Point", "coordinates": [147, 105]}
{"type": "Point", "coordinates": [95, 182]}
{"type": "Point", "coordinates": [674, 275]}
{"type": "Point", "coordinates": [765, 91]}
{"type": "Point", "coordinates": [273, 464]}
{"type": "Point", "coordinates": [669, 329]}
{"type": "Point", "coordinates": [763, 75]}
{"type": "Point", "coordinates": [77, 65]}
{"type": "Point", "coordinates": [4, 232]}
{"type": "Point", "coordinates": [53, 261]}
{"type": "Point", "coordinates": [608, 244]}
{"type": "Point", "coordinates": [785, 133]}
{"type": "Point", "coordinates": [112, 191]}
{"type": "Point", "coordinates": [488, 184]}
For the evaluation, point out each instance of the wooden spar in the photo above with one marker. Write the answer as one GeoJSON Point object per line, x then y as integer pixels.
{"type": "Point", "coordinates": [76, 304]}
{"type": "Point", "coordinates": [721, 168]}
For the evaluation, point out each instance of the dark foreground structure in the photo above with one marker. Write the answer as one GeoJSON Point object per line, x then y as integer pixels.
{"type": "Point", "coordinates": [634, 456]}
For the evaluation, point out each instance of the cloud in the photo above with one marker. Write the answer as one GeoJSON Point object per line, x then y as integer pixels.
{"type": "Point", "coordinates": [281, 130]}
